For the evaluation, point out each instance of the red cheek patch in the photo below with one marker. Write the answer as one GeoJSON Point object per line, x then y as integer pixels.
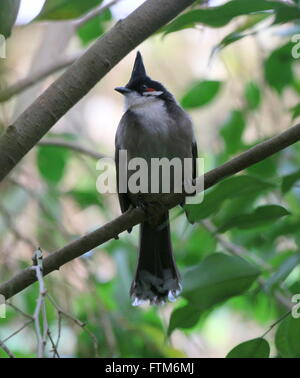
{"type": "Point", "coordinates": [150, 90]}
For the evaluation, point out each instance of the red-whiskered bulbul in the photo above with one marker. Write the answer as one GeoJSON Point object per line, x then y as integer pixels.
{"type": "Point", "coordinates": [153, 126]}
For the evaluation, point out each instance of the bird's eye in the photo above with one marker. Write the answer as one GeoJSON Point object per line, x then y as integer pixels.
{"type": "Point", "coordinates": [144, 88]}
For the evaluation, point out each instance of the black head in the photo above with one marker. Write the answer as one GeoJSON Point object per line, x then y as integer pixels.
{"type": "Point", "coordinates": [142, 84]}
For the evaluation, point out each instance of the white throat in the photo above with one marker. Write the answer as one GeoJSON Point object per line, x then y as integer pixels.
{"type": "Point", "coordinates": [134, 101]}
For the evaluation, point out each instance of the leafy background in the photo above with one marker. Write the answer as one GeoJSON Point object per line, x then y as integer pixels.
{"type": "Point", "coordinates": [232, 69]}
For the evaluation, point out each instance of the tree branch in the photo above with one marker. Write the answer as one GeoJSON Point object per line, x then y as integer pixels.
{"type": "Point", "coordinates": [6, 350]}
{"type": "Point", "coordinates": [20, 86]}
{"type": "Point", "coordinates": [72, 146]}
{"type": "Point", "coordinates": [75, 82]}
{"type": "Point", "coordinates": [132, 217]}
{"type": "Point", "coordinates": [254, 155]}
{"type": "Point", "coordinates": [93, 13]}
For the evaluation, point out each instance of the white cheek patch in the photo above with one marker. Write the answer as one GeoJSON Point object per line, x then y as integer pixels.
{"type": "Point", "coordinates": [153, 93]}
{"type": "Point", "coordinates": [135, 100]}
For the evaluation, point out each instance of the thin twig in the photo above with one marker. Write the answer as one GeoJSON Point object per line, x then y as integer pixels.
{"type": "Point", "coordinates": [106, 323]}
{"type": "Point", "coordinates": [26, 324]}
{"type": "Point", "coordinates": [93, 13]}
{"type": "Point", "coordinates": [77, 322]}
{"type": "Point", "coordinates": [40, 307]}
{"type": "Point", "coordinates": [234, 249]}
{"type": "Point", "coordinates": [23, 84]}
{"type": "Point", "coordinates": [20, 311]}
{"type": "Point", "coordinates": [58, 330]}
{"type": "Point", "coordinates": [6, 350]}
{"type": "Point", "coordinates": [54, 348]}
{"type": "Point", "coordinates": [275, 323]}
{"type": "Point", "coordinates": [72, 146]}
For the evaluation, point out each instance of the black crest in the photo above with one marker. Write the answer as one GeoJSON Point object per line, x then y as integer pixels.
{"type": "Point", "coordinates": [139, 71]}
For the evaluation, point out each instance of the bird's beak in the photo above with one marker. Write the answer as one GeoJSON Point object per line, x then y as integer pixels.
{"type": "Point", "coordinates": [122, 90]}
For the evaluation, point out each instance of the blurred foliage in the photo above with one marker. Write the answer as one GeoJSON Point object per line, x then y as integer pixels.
{"type": "Point", "coordinates": [66, 9]}
{"type": "Point", "coordinates": [278, 67]}
{"type": "Point", "coordinates": [255, 215]}
{"type": "Point", "coordinates": [287, 338]}
{"type": "Point", "coordinates": [216, 278]}
{"type": "Point", "coordinates": [91, 30]}
{"type": "Point", "coordinates": [223, 14]}
{"type": "Point", "coordinates": [51, 162]}
{"type": "Point", "coordinates": [8, 14]}
{"type": "Point", "coordinates": [201, 94]}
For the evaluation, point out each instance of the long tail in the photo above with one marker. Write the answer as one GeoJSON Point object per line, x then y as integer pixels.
{"type": "Point", "coordinates": [157, 278]}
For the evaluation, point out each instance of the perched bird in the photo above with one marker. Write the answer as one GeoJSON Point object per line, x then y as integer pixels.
{"type": "Point", "coordinates": [154, 126]}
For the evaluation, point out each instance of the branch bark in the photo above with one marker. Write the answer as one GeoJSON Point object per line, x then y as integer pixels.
{"type": "Point", "coordinates": [74, 83]}
{"type": "Point", "coordinates": [132, 217]}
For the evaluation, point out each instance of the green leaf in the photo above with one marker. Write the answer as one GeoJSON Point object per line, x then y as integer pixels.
{"type": "Point", "coordinates": [86, 198]}
{"type": "Point", "coordinates": [216, 279]}
{"type": "Point", "coordinates": [278, 68]}
{"type": "Point", "coordinates": [93, 28]}
{"type": "Point", "coordinates": [201, 94]}
{"type": "Point", "coordinates": [287, 338]}
{"type": "Point", "coordinates": [51, 162]}
{"type": "Point", "coordinates": [157, 337]}
{"type": "Point", "coordinates": [255, 348]}
{"type": "Point", "coordinates": [295, 111]}
{"type": "Point", "coordinates": [183, 318]}
{"type": "Point", "coordinates": [261, 216]}
{"type": "Point", "coordinates": [8, 13]}
{"type": "Point", "coordinates": [287, 14]}
{"type": "Point", "coordinates": [221, 15]}
{"type": "Point", "coordinates": [232, 187]}
{"type": "Point", "coordinates": [252, 95]}
{"type": "Point", "coordinates": [232, 132]}
{"type": "Point", "coordinates": [66, 9]}
{"type": "Point", "coordinates": [288, 181]}
{"type": "Point", "coordinates": [199, 243]}
{"type": "Point", "coordinates": [282, 273]}
{"type": "Point", "coordinates": [242, 30]}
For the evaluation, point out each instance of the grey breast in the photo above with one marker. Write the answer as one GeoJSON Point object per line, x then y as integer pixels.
{"type": "Point", "coordinates": [157, 133]}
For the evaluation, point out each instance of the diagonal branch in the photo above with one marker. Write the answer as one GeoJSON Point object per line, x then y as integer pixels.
{"type": "Point", "coordinates": [93, 13]}
{"type": "Point", "coordinates": [20, 86]}
{"type": "Point", "coordinates": [6, 350]}
{"type": "Point", "coordinates": [71, 146]}
{"type": "Point", "coordinates": [135, 216]}
{"type": "Point", "coordinates": [83, 75]}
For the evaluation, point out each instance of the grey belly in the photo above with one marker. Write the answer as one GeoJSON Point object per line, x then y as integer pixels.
{"type": "Point", "coordinates": [157, 182]}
